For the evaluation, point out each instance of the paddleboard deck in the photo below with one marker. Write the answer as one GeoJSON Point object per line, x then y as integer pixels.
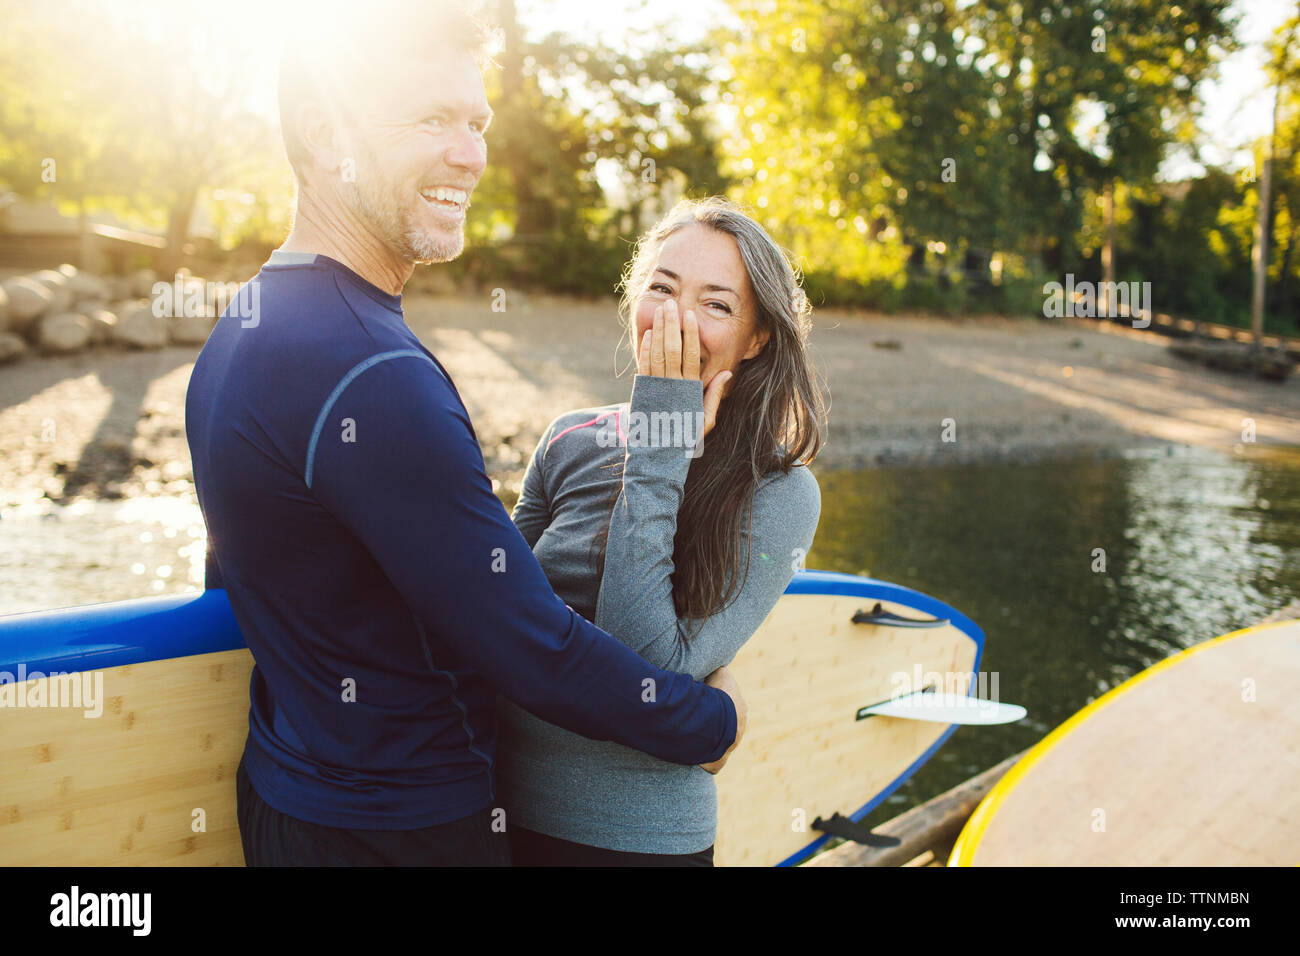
{"type": "Point", "coordinates": [833, 644]}
{"type": "Point", "coordinates": [1193, 762]}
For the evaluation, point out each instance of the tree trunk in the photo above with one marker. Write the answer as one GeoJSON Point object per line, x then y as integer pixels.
{"type": "Point", "coordinates": [530, 218]}
{"type": "Point", "coordinates": [1263, 231]}
{"type": "Point", "coordinates": [86, 247]}
{"type": "Point", "coordinates": [1259, 255]}
{"type": "Point", "coordinates": [178, 230]}
{"type": "Point", "coordinates": [1108, 248]}
{"type": "Point", "coordinates": [1282, 294]}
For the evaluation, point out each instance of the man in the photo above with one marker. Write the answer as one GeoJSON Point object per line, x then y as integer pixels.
{"type": "Point", "coordinates": [382, 588]}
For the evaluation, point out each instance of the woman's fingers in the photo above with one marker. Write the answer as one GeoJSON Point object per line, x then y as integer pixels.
{"type": "Point", "coordinates": [714, 393]}
{"type": "Point", "coordinates": [690, 345]}
{"type": "Point", "coordinates": [657, 343]}
{"type": "Point", "coordinates": [672, 341]}
{"type": "Point", "coordinates": [643, 355]}
{"type": "Point", "coordinates": [670, 348]}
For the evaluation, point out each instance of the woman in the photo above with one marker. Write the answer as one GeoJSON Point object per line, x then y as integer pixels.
{"type": "Point", "coordinates": [680, 553]}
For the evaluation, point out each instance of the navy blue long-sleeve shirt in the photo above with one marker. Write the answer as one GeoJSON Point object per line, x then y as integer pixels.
{"type": "Point", "coordinates": [382, 588]}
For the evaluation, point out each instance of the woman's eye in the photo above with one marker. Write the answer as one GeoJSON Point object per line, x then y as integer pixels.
{"type": "Point", "coordinates": [660, 287]}
{"type": "Point", "coordinates": [721, 305]}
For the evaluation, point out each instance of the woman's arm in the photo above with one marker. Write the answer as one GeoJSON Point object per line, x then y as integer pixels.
{"type": "Point", "coordinates": [636, 600]}
{"type": "Point", "coordinates": [532, 514]}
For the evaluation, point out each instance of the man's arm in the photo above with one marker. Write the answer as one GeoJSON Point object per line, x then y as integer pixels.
{"type": "Point", "coordinates": [412, 487]}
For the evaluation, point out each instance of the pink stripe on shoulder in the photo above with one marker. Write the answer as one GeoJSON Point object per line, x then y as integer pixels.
{"type": "Point", "coordinates": [599, 418]}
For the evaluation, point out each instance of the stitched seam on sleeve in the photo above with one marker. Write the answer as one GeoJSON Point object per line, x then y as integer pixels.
{"type": "Point", "coordinates": [342, 386]}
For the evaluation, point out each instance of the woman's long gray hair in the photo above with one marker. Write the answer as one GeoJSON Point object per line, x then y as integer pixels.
{"type": "Point", "coordinates": [772, 419]}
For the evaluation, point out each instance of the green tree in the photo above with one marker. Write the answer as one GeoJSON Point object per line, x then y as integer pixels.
{"type": "Point", "coordinates": [1283, 299]}
{"type": "Point", "coordinates": [853, 111]}
{"type": "Point", "coordinates": [140, 115]}
{"type": "Point", "coordinates": [566, 110]}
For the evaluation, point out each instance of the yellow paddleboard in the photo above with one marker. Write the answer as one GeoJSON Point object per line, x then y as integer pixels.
{"type": "Point", "coordinates": [1193, 762]}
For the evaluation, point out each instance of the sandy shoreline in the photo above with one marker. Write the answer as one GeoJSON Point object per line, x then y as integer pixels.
{"type": "Point", "coordinates": [107, 424]}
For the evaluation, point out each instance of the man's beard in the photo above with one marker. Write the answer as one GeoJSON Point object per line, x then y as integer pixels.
{"type": "Point", "coordinates": [382, 207]}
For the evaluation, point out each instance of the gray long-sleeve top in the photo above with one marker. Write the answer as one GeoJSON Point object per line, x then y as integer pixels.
{"type": "Point", "coordinates": [597, 792]}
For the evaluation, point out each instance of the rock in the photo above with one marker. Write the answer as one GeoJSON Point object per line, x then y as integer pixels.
{"type": "Point", "coordinates": [137, 327]}
{"type": "Point", "coordinates": [1239, 357]}
{"type": "Point", "coordinates": [194, 293]}
{"type": "Point", "coordinates": [119, 287]}
{"type": "Point", "coordinates": [88, 288]}
{"type": "Point", "coordinates": [142, 284]}
{"type": "Point", "coordinates": [101, 322]}
{"type": "Point", "coordinates": [27, 300]}
{"type": "Point", "coordinates": [188, 295]}
{"type": "Point", "coordinates": [60, 292]}
{"type": "Point", "coordinates": [64, 332]}
{"type": "Point", "coordinates": [11, 347]}
{"type": "Point", "coordinates": [52, 278]}
{"type": "Point", "coordinates": [192, 329]}
{"type": "Point", "coordinates": [120, 307]}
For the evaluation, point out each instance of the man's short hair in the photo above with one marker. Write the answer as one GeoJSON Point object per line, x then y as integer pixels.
{"type": "Point", "coordinates": [328, 54]}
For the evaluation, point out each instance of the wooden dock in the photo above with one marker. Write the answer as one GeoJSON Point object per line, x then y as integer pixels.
{"type": "Point", "coordinates": [1176, 328]}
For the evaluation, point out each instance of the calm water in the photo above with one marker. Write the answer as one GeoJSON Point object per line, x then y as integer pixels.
{"type": "Point", "coordinates": [1196, 544]}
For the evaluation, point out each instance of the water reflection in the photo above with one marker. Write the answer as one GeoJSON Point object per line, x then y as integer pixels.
{"type": "Point", "coordinates": [89, 552]}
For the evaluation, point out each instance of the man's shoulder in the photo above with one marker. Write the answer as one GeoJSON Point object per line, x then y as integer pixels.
{"type": "Point", "coordinates": [300, 289]}
{"type": "Point", "coordinates": [314, 325]}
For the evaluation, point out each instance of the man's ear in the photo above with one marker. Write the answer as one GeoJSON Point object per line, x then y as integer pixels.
{"type": "Point", "coordinates": [319, 137]}
{"type": "Point", "coordinates": [760, 340]}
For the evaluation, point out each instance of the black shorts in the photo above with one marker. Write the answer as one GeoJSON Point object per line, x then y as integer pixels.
{"type": "Point", "coordinates": [272, 838]}
{"type": "Point", "coordinates": [529, 848]}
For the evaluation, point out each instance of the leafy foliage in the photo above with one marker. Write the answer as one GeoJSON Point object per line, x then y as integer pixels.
{"type": "Point", "coordinates": [944, 155]}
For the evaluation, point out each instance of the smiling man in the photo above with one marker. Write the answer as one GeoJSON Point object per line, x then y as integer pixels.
{"type": "Point", "coordinates": [382, 588]}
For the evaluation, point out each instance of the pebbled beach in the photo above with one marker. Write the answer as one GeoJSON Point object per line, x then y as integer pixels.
{"type": "Point", "coordinates": [904, 390]}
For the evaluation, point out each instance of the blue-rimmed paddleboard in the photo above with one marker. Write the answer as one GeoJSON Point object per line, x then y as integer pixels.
{"type": "Point", "coordinates": [834, 645]}
{"type": "Point", "coordinates": [137, 765]}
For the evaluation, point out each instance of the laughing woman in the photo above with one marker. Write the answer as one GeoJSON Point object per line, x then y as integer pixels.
{"type": "Point", "coordinates": [678, 552]}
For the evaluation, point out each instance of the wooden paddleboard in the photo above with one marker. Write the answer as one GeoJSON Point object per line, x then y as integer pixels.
{"type": "Point", "coordinates": [1193, 762]}
{"type": "Point", "coordinates": [805, 674]}
{"type": "Point", "coordinates": [150, 780]}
